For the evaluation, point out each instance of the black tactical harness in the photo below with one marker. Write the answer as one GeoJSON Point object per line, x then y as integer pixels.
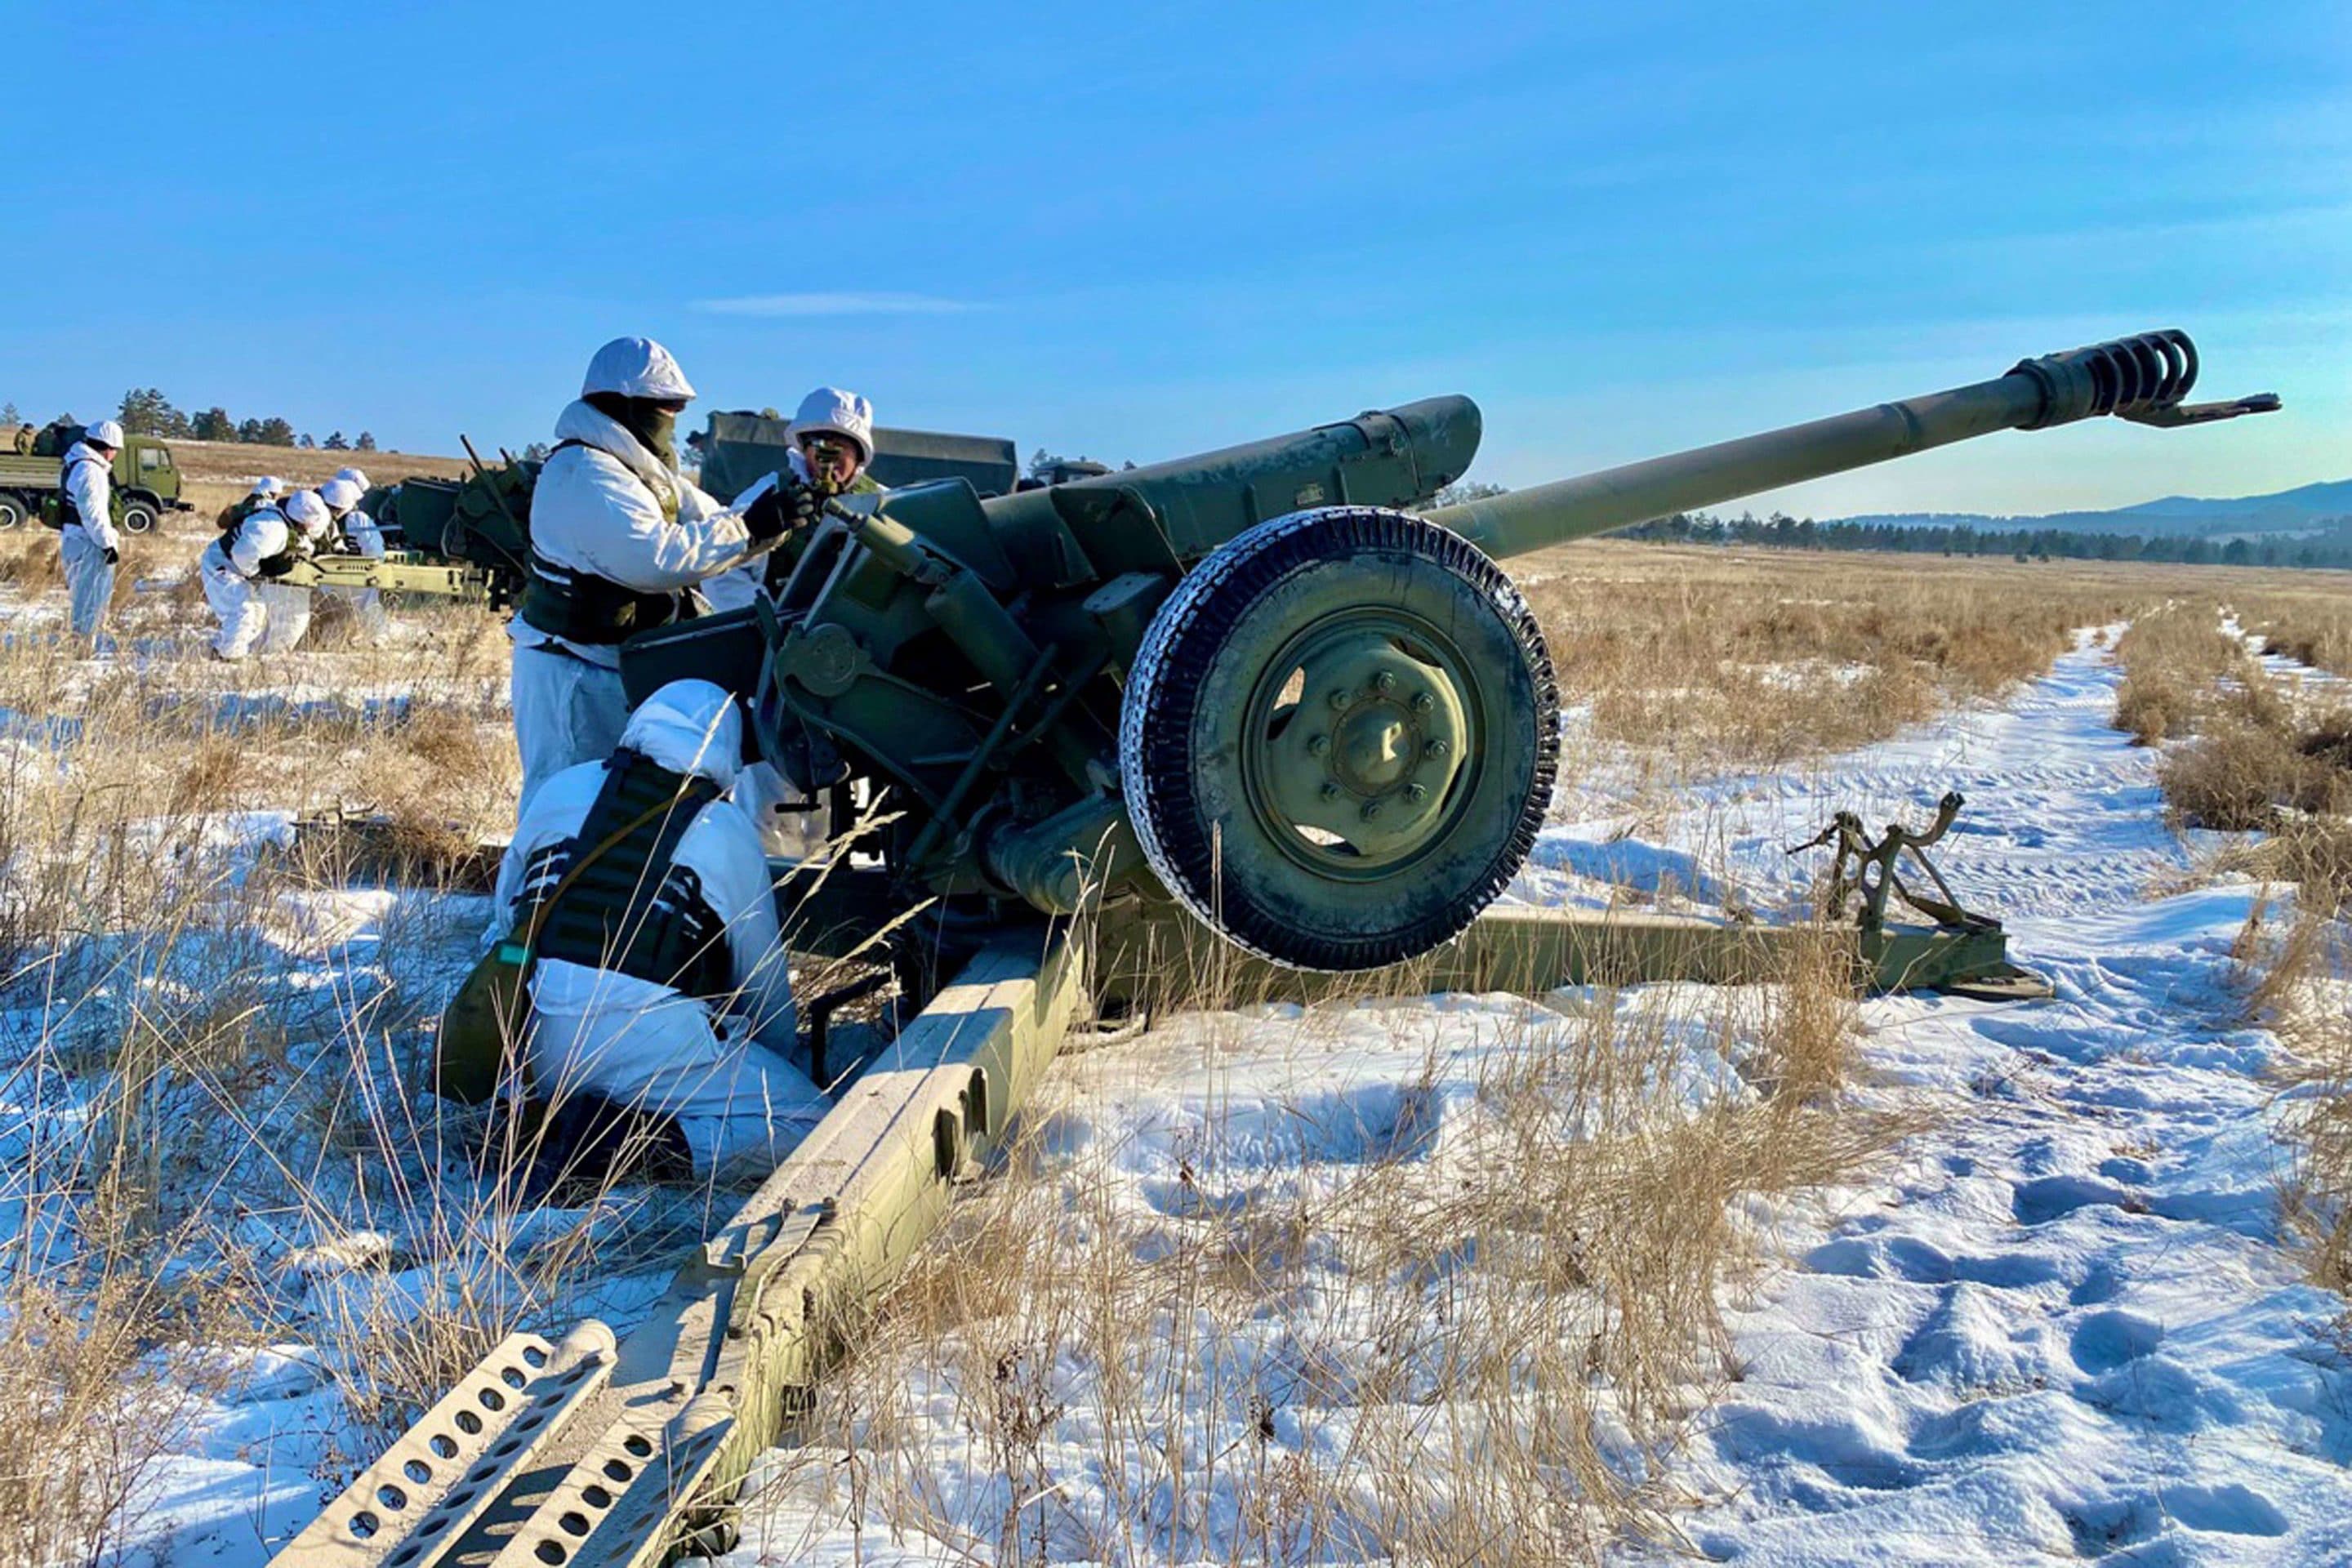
{"type": "Point", "coordinates": [580, 606]}
{"type": "Point", "coordinates": [631, 910]}
{"type": "Point", "coordinates": [69, 514]}
{"type": "Point", "coordinates": [268, 567]}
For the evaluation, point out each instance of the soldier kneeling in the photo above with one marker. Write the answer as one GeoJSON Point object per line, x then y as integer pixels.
{"type": "Point", "coordinates": [661, 1005]}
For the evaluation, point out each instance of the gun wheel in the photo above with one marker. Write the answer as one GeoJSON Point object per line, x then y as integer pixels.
{"type": "Point", "coordinates": [1338, 740]}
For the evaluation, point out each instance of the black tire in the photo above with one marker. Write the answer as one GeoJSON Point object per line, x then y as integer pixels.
{"type": "Point", "coordinates": [1202, 688]}
{"type": "Point", "coordinates": [14, 512]}
{"type": "Point", "coordinates": [139, 516]}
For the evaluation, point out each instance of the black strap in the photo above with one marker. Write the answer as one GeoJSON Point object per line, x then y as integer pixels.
{"type": "Point", "coordinates": [68, 510]}
{"type": "Point", "coordinates": [635, 911]}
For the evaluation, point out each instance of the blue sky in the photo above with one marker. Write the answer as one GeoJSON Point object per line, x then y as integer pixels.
{"type": "Point", "coordinates": [1137, 231]}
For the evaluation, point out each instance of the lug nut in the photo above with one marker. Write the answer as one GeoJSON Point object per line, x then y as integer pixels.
{"type": "Point", "coordinates": [1436, 748]}
{"type": "Point", "coordinates": [1317, 744]}
{"type": "Point", "coordinates": [1330, 790]}
{"type": "Point", "coordinates": [1341, 697]}
{"type": "Point", "coordinates": [1371, 809]}
{"type": "Point", "coordinates": [1416, 792]}
{"type": "Point", "coordinates": [1422, 702]}
{"type": "Point", "coordinates": [1384, 681]}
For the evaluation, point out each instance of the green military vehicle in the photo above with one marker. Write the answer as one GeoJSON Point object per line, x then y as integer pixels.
{"type": "Point", "coordinates": [739, 448]}
{"type": "Point", "coordinates": [146, 481]}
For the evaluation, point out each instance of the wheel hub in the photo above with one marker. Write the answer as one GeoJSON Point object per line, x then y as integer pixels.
{"type": "Point", "coordinates": [1364, 762]}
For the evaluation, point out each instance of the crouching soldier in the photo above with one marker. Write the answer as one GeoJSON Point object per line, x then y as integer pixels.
{"type": "Point", "coordinates": [251, 551]}
{"type": "Point", "coordinates": [352, 531]}
{"type": "Point", "coordinates": [287, 605]}
{"type": "Point", "coordinates": [660, 999]}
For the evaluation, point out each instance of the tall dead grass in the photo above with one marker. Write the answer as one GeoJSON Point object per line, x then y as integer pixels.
{"type": "Point", "coordinates": [2253, 755]}
{"type": "Point", "coordinates": [1477, 1343]}
{"type": "Point", "coordinates": [1692, 660]}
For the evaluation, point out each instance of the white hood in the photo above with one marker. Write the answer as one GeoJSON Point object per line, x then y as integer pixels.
{"type": "Point", "coordinates": [595, 428]}
{"type": "Point", "coordinates": [689, 727]}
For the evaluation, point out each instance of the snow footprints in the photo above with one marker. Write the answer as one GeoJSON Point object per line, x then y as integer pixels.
{"type": "Point", "coordinates": [2106, 1340]}
{"type": "Point", "coordinates": [2065, 1331]}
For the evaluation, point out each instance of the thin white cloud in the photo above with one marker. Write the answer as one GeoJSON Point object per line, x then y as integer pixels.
{"type": "Point", "coordinates": [836, 304]}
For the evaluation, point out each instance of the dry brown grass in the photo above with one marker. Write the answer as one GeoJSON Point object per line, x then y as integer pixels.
{"type": "Point", "coordinates": [1694, 659]}
{"type": "Point", "coordinates": [2299, 983]}
{"type": "Point", "coordinates": [2255, 754]}
{"type": "Point", "coordinates": [224, 461]}
{"type": "Point", "coordinates": [1475, 1358]}
{"type": "Point", "coordinates": [2309, 622]}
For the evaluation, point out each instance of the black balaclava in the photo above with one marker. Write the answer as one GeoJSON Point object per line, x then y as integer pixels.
{"type": "Point", "coordinates": [655, 428]}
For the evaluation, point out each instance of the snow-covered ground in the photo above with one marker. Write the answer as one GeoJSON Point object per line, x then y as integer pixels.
{"type": "Point", "coordinates": [2063, 1327]}
{"type": "Point", "coordinates": [2057, 1325]}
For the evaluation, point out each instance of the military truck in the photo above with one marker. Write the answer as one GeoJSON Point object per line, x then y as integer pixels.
{"type": "Point", "coordinates": [145, 477]}
{"type": "Point", "coordinates": [739, 448]}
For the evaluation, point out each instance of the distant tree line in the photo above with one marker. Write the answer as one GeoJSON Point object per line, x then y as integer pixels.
{"type": "Point", "coordinates": [2327, 544]}
{"type": "Point", "coordinates": [145, 411]}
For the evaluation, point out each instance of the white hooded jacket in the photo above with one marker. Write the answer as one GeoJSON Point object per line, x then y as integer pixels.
{"type": "Point", "coordinates": [90, 480]}
{"type": "Point", "coordinates": [261, 535]}
{"type": "Point", "coordinates": [605, 508]}
{"type": "Point", "coordinates": [646, 1045]}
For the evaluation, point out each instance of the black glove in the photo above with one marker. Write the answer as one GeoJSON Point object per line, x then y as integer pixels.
{"type": "Point", "coordinates": [276, 565]}
{"type": "Point", "coordinates": [790, 504]}
{"type": "Point", "coordinates": [113, 556]}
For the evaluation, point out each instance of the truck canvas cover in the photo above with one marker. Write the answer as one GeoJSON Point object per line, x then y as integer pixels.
{"type": "Point", "coordinates": [743, 447]}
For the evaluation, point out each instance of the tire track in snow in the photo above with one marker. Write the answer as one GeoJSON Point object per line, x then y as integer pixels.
{"type": "Point", "coordinates": [2063, 1328]}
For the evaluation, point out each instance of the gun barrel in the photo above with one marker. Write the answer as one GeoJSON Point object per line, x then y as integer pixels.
{"type": "Point", "coordinates": [2142, 378]}
{"type": "Point", "coordinates": [1392, 457]}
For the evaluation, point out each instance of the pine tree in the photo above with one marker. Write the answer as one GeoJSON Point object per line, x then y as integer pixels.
{"type": "Point", "coordinates": [366, 443]}
{"type": "Point", "coordinates": [335, 442]}
{"type": "Point", "coordinates": [147, 412]}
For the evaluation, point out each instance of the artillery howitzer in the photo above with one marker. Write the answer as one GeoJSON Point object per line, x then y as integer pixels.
{"type": "Point", "coordinates": [1245, 687]}
{"type": "Point", "coordinates": [1326, 727]}
{"type": "Point", "coordinates": [462, 539]}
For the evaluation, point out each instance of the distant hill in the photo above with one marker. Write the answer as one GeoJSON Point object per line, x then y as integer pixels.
{"type": "Point", "coordinates": [2303, 510]}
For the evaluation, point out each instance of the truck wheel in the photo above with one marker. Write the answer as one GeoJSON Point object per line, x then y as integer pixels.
{"type": "Point", "coordinates": [1338, 740]}
{"type": "Point", "coordinates": [13, 512]}
{"type": "Point", "coordinates": [139, 517]}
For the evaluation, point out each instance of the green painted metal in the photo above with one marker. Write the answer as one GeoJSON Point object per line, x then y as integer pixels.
{"type": "Point", "coordinates": [2141, 378]}
{"type": "Point", "coordinates": [978, 657]}
{"type": "Point", "coordinates": [399, 572]}
{"type": "Point", "coordinates": [1169, 960]}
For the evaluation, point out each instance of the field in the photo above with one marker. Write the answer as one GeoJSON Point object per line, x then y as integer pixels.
{"type": "Point", "coordinates": [1759, 1273]}
{"type": "Point", "coordinates": [218, 472]}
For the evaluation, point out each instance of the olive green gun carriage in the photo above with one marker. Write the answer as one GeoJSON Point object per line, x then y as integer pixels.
{"type": "Point", "coordinates": [1251, 682]}
{"type": "Point", "coordinates": [1241, 715]}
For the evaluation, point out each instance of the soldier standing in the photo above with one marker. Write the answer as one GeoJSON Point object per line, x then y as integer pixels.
{"type": "Point", "coordinates": [90, 547]}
